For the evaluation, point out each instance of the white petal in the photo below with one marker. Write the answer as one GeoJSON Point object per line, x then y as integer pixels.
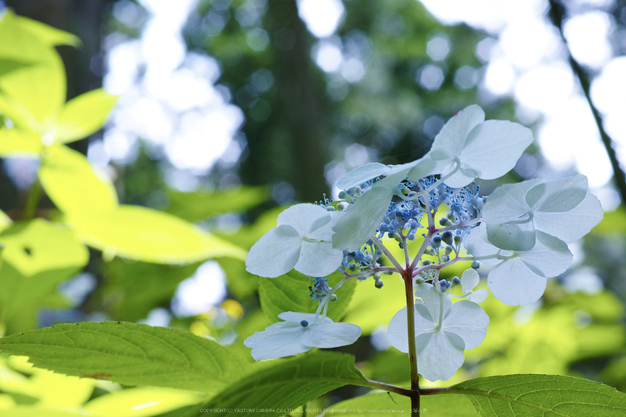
{"type": "Point", "coordinates": [276, 253]}
{"type": "Point", "coordinates": [331, 335]}
{"type": "Point", "coordinates": [559, 195]}
{"type": "Point", "coordinates": [508, 202]}
{"type": "Point", "coordinates": [295, 317]}
{"type": "Point", "coordinates": [469, 321]}
{"type": "Point", "coordinates": [460, 178]}
{"type": "Point", "coordinates": [319, 259]}
{"type": "Point", "coordinates": [493, 147]}
{"type": "Point", "coordinates": [361, 175]}
{"type": "Point", "coordinates": [424, 167]}
{"type": "Point", "coordinates": [511, 236]}
{"type": "Point", "coordinates": [449, 143]}
{"type": "Point", "coordinates": [304, 217]}
{"type": "Point", "coordinates": [469, 280]}
{"type": "Point", "coordinates": [513, 283]}
{"type": "Point", "coordinates": [397, 331]}
{"type": "Point", "coordinates": [359, 224]}
{"type": "Point", "coordinates": [437, 303]}
{"type": "Point", "coordinates": [325, 232]}
{"type": "Point", "coordinates": [441, 355]}
{"type": "Point", "coordinates": [478, 296]}
{"type": "Point", "coordinates": [574, 224]}
{"type": "Point", "coordinates": [277, 343]}
{"type": "Point", "coordinates": [550, 256]}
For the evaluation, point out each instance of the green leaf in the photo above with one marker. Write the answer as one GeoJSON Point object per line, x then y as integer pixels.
{"type": "Point", "coordinates": [286, 385]}
{"type": "Point", "coordinates": [290, 292]}
{"type": "Point", "coordinates": [48, 34]}
{"type": "Point", "coordinates": [73, 184]}
{"type": "Point", "coordinates": [41, 411]}
{"type": "Point", "coordinates": [541, 395]}
{"type": "Point", "coordinates": [32, 94]}
{"type": "Point", "coordinates": [18, 142]}
{"type": "Point", "coordinates": [373, 306]}
{"type": "Point", "coordinates": [381, 404]}
{"type": "Point", "coordinates": [151, 236]}
{"type": "Point", "coordinates": [131, 354]}
{"type": "Point", "coordinates": [5, 221]}
{"type": "Point", "coordinates": [82, 116]}
{"type": "Point", "coordinates": [37, 256]}
{"type": "Point", "coordinates": [140, 402]}
{"type": "Point", "coordinates": [200, 205]}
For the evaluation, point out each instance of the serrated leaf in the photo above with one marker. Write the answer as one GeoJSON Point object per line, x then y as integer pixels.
{"type": "Point", "coordinates": [151, 236]}
{"type": "Point", "coordinates": [200, 205]}
{"type": "Point", "coordinates": [290, 293]}
{"type": "Point", "coordinates": [141, 402]}
{"type": "Point", "coordinates": [18, 142]}
{"type": "Point", "coordinates": [381, 404]}
{"type": "Point", "coordinates": [541, 395]}
{"type": "Point", "coordinates": [73, 184]}
{"type": "Point", "coordinates": [286, 385]}
{"type": "Point", "coordinates": [82, 116]}
{"type": "Point", "coordinates": [131, 354]}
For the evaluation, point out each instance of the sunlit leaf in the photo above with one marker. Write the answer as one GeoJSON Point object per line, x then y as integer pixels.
{"type": "Point", "coordinates": [141, 402]}
{"type": "Point", "coordinates": [151, 236]}
{"type": "Point", "coordinates": [37, 256]}
{"type": "Point", "coordinates": [541, 395]}
{"type": "Point", "coordinates": [18, 142]}
{"type": "Point", "coordinates": [291, 293]}
{"type": "Point", "coordinates": [372, 307]}
{"type": "Point", "coordinates": [41, 411]}
{"type": "Point", "coordinates": [34, 93]}
{"type": "Point", "coordinates": [73, 184]}
{"type": "Point", "coordinates": [283, 385]}
{"type": "Point", "coordinates": [392, 404]}
{"type": "Point", "coordinates": [56, 390]}
{"type": "Point", "coordinates": [82, 116]}
{"type": "Point", "coordinates": [199, 205]}
{"type": "Point", "coordinates": [5, 221]}
{"type": "Point", "coordinates": [130, 354]}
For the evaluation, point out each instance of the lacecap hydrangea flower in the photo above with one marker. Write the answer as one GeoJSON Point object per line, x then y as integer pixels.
{"type": "Point", "coordinates": [468, 147]}
{"type": "Point", "coordinates": [300, 241]}
{"type": "Point", "coordinates": [299, 333]}
{"type": "Point", "coordinates": [442, 331]}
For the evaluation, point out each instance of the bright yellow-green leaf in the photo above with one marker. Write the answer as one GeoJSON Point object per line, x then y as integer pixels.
{"type": "Point", "coordinates": [38, 246]}
{"type": "Point", "coordinates": [40, 411]}
{"type": "Point", "coordinates": [5, 221]}
{"type": "Point", "coordinates": [148, 235]}
{"type": "Point", "coordinates": [140, 402]}
{"type": "Point", "coordinates": [82, 116]}
{"type": "Point", "coordinates": [36, 91]}
{"type": "Point", "coordinates": [48, 34]}
{"type": "Point", "coordinates": [73, 184]}
{"type": "Point", "coordinates": [14, 382]}
{"type": "Point", "coordinates": [56, 390]}
{"type": "Point", "coordinates": [371, 306]}
{"type": "Point", "coordinates": [18, 142]}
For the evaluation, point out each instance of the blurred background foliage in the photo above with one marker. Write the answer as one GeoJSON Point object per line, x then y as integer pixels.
{"type": "Point", "coordinates": [296, 111]}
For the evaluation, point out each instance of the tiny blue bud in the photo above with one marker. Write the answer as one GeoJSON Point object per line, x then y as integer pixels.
{"type": "Point", "coordinates": [444, 222]}
{"type": "Point", "coordinates": [475, 264]}
{"type": "Point", "coordinates": [436, 241]}
{"type": "Point", "coordinates": [304, 323]}
{"type": "Point", "coordinates": [456, 281]}
{"type": "Point", "coordinates": [378, 284]}
{"type": "Point", "coordinates": [447, 237]}
{"type": "Point", "coordinates": [457, 239]}
{"type": "Point", "coordinates": [377, 276]}
{"type": "Point", "coordinates": [425, 262]}
{"type": "Point", "coordinates": [333, 297]}
{"type": "Point", "coordinates": [448, 250]}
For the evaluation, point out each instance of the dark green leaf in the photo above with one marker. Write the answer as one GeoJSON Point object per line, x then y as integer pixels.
{"type": "Point", "coordinates": [130, 354]}
{"type": "Point", "coordinates": [291, 293]}
{"type": "Point", "coordinates": [284, 385]}
{"type": "Point", "coordinates": [542, 395]}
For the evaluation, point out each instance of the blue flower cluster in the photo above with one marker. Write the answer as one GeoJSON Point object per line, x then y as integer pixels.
{"type": "Point", "coordinates": [360, 260]}
{"type": "Point", "coordinates": [319, 289]}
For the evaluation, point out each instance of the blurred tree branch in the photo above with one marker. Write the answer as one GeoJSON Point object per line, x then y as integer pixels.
{"type": "Point", "coordinates": [557, 13]}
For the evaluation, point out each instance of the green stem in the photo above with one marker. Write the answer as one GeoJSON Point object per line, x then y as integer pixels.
{"type": "Point", "coordinates": [32, 201]}
{"type": "Point", "coordinates": [387, 254]}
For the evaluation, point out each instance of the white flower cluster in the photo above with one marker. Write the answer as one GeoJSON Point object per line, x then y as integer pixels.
{"type": "Point", "coordinates": [522, 229]}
